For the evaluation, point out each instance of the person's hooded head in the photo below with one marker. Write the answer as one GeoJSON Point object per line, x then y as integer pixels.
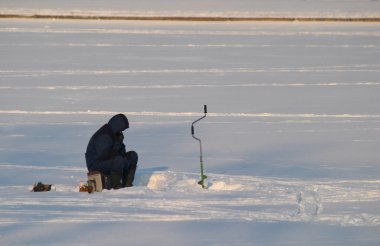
{"type": "Point", "coordinates": [118, 123]}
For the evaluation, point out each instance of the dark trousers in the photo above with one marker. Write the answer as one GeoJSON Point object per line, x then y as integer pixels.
{"type": "Point", "coordinates": [118, 165]}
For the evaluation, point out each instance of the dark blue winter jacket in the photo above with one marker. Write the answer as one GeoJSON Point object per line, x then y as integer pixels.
{"type": "Point", "coordinates": [107, 142]}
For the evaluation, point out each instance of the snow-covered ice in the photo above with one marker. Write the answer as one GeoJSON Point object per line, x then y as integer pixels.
{"type": "Point", "coordinates": [290, 141]}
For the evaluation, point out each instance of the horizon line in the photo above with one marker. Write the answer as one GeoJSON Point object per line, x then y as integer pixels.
{"type": "Point", "coordinates": [191, 18]}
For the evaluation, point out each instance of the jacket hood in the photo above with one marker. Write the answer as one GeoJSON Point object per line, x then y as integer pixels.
{"type": "Point", "coordinates": [118, 123]}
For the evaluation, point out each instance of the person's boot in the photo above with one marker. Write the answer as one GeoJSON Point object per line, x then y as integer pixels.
{"type": "Point", "coordinates": [129, 177]}
{"type": "Point", "coordinates": [115, 181]}
{"type": "Point", "coordinates": [106, 181]}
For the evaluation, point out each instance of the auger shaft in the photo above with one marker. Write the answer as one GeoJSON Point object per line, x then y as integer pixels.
{"type": "Point", "coordinates": [203, 177]}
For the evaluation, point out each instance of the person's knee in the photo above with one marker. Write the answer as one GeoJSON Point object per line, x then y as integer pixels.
{"type": "Point", "coordinates": [132, 157]}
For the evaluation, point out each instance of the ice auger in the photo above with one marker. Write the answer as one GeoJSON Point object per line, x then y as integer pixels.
{"type": "Point", "coordinates": [203, 177]}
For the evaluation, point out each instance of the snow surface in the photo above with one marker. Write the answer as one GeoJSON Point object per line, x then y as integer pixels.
{"type": "Point", "coordinates": [290, 142]}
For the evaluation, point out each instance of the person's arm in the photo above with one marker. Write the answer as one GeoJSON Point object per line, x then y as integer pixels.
{"type": "Point", "coordinates": [103, 147]}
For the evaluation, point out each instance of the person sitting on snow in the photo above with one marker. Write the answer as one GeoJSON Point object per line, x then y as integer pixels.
{"type": "Point", "coordinates": [106, 153]}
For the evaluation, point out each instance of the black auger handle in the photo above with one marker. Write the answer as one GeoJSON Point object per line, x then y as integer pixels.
{"type": "Point", "coordinates": [192, 125]}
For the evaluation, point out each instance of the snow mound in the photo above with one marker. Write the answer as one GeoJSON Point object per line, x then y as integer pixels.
{"type": "Point", "coordinates": [170, 180]}
{"type": "Point", "coordinates": [220, 185]}
{"type": "Point", "coordinates": [167, 181]}
{"type": "Point", "coordinates": [156, 181]}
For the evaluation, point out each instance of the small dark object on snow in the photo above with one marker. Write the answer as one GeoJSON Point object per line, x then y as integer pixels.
{"type": "Point", "coordinates": [88, 187]}
{"type": "Point", "coordinates": [41, 187]}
